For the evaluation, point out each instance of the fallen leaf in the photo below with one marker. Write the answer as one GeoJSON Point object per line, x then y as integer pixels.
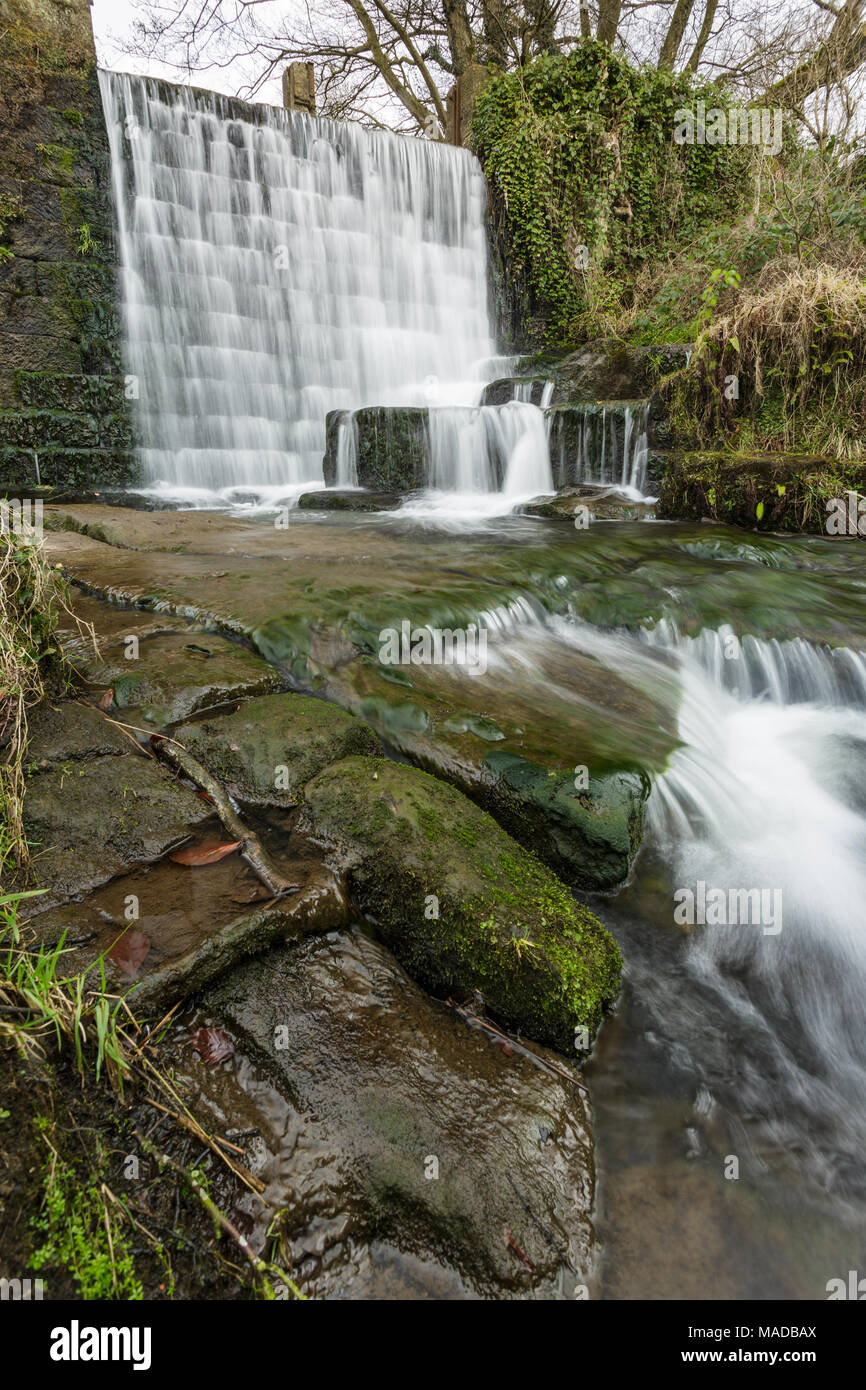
{"type": "Point", "coordinates": [106, 701]}
{"type": "Point", "coordinates": [212, 1045]}
{"type": "Point", "coordinates": [199, 855]}
{"type": "Point", "coordinates": [129, 952]}
{"type": "Point", "coordinates": [512, 1245]}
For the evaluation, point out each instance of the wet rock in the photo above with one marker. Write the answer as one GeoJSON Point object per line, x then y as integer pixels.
{"type": "Point", "coordinates": [176, 676]}
{"type": "Point", "coordinates": [392, 447]}
{"type": "Point", "coordinates": [605, 818]}
{"type": "Point", "coordinates": [608, 370]}
{"type": "Point", "coordinates": [602, 504]}
{"type": "Point", "coordinates": [513, 388]}
{"type": "Point", "coordinates": [459, 902]}
{"type": "Point", "coordinates": [410, 1140]}
{"type": "Point", "coordinates": [90, 821]}
{"type": "Point", "coordinates": [69, 732]}
{"type": "Point", "coordinates": [270, 748]}
{"type": "Point", "coordinates": [349, 500]}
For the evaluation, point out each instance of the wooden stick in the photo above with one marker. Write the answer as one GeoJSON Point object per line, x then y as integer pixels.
{"type": "Point", "coordinates": [252, 848]}
{"type": "Point", "coordinates": [525, 1051]}
{"type": "Point", "coordinates": [219, 1218]}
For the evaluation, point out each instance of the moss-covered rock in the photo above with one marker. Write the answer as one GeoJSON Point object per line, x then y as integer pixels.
{"type": "Point", "coordinates": [270, 748]}
{"type": "Point", "coordinates": [609, 370]}
{"type": "Point", "coordinates": [781, 492]}
{"type": "Point", "coordinates": [392, 447]}
{"type": "Point", "coordinates": [589, 836]}
{"type": "Point", "coordinates": [460, 904]}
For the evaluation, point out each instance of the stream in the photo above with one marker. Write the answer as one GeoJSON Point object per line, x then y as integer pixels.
{"type": "Point", "coordinates": [277, 268]}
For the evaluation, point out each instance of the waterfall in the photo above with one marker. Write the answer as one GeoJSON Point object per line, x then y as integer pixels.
{"type": "Point", "coordinates": [605, 444]}
{"type": "Point", "coordinates": [490, 449]}
{"type": "Point", "coordinates": [275, 267]}
{"type": "Point", "coordinates": [766, 791]}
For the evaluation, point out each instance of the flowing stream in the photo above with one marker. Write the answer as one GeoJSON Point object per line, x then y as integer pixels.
{"type": "Point", "coordinates": [277, 267]}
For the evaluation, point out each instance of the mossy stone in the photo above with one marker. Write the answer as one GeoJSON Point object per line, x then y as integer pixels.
{"type": "Point", "coordinates": [461, 904]}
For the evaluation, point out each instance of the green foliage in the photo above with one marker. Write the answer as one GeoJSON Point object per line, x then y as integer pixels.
{"type": "Point", "coordinates": [87, 243]}
{"type": "Point", "coordinates": [580, 154]}
{"type": "Point", "coordinates": [11, 210]}
{"type": "Point", "coordinates": [85, 1232]}
{"type": "Point", "coordinates": [57, 157]}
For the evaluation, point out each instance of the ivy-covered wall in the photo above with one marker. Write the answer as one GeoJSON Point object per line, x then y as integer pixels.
{"type": "Point", "coordinates": [61, 378]}
{"type": "Point", "coordinates": [587, 182]}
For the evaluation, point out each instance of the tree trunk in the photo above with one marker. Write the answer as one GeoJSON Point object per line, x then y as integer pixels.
{"type": "Point", "coordinates": [703, 37]}
{"type": "Point", "coordinates": [674, 37]}
{"type": "Point", "coordinates": [608, 20]}
{"type": "Point", "coordinates": [841, 54]}
{"type": "Point", "coordinates": [461, 40]}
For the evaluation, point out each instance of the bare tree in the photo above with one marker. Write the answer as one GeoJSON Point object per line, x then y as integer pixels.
{"type": "Point", "coordinates": [392, 62]}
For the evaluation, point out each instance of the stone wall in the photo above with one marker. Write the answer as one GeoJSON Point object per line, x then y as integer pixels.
{"type": "Point", "coordinates": [61, 373]}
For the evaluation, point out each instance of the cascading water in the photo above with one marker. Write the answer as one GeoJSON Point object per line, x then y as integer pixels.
{"type": "Point", "coordinates": [766, 792]}
{"type": "Point", "coordinates": [603, 444]}
{"type": "Point", "coordinates": [275, 267]}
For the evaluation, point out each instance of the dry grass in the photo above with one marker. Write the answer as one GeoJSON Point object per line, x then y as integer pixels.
{"type": "Point", "coordinates": [800, 337]}
{"type": "Point", "coordinates": [32, 597]}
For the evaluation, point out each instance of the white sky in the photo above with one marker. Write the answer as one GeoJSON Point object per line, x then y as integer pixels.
{"type": "Point", "coordinates": [112, 27]}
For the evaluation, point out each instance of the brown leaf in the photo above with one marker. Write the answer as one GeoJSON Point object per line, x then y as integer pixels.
{"type": "Point", "coordinates": [512, 1245]}
{"type": "Point", "coordinates": [106, 701]}
{"type": "Point", "coordinates": [212, 1045]}
{"type": "Point", "coordinates": [129, 952]}
{"type": "Point", "coordinates": [197, 856]}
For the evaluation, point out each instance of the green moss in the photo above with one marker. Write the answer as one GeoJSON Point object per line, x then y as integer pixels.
{"type": "Point", "coordinates": [771, 493]}
{"type": "Point", "coordinates": [59, 157]}
{"type": "Point", "coordinates": [503, 923]}
{"type": "Point", "coordinates": [83, 1234]}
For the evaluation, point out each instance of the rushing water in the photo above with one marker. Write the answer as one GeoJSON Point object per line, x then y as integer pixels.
{"type": "Point", "coordinates": [608, 446]}
{"type": "Point", "coordinates": [275, 267]}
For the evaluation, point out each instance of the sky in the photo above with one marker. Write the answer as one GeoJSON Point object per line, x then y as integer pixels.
{"type": "Point", "coordinates": [112, 28]}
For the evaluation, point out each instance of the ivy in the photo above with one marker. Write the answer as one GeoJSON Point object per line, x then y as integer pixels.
{"type": "Point", "coordinates": [580, 155]}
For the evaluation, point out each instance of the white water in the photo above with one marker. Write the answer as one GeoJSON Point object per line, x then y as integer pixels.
{"type": "Point", "coordinates": [275, 267]}
{"type": "Point", "coordinates": [612, 447]}
{"type": "Point", "coordinates": [767, 791]}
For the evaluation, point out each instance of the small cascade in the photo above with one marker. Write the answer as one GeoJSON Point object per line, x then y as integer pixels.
{"type": "Point", "coordinates": [490, 449]}
{"type": "Point", "coordinates": [765, 793]}
{"type": "Point", "coordinates": [604, 444]}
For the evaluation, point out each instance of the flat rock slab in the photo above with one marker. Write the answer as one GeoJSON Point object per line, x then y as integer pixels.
{"type": "Point", "coordinates": [269, 749]}
{"type": "Point", "coordinates": [461, 904]}
{"type": "Point", "coordinates": [407, 1125]}
{"type": "Point", "coordinates": [70, 732]}
{"type": "Point", "coordinates": [89, 821]}
{"type": "Point", "coordinates": [314, 598]}
{"type": "Point", "coordinates": [176, 676]}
